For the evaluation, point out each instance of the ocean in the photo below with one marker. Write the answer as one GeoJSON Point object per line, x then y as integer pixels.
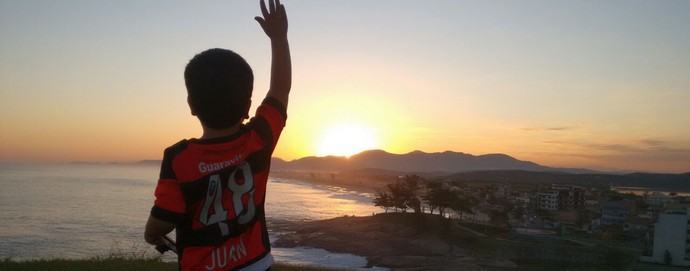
{"type": "Point", "coordinates": [77, 211]}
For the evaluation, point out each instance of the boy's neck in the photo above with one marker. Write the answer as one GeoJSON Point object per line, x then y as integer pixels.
{"type": "Point", "coordinates": [214, 133]}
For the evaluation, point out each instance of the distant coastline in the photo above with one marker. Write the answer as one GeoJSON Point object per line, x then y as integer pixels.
{"type": "Point", "coordinates": [639, 191]}
{"type": "Point", "coordinates": [370, 170]}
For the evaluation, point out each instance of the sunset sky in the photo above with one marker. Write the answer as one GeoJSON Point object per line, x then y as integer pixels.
{"type": "Point", "coordinates": [594, 84]}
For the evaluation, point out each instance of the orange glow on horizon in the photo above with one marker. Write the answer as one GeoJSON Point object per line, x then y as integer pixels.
{"type": "Point", "coordinates": [346, 140]}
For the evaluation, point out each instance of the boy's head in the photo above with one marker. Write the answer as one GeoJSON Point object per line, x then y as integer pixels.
{"type": "Point", "coordinates": [219, 87]}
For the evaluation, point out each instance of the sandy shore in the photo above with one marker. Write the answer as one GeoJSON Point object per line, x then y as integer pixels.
{"type": "Point", "coordinates": [367, 183]}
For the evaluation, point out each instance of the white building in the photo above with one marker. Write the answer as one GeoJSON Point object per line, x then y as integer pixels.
{"type": "Point", "coordinates": [671, 238]}
{"type": "Point", "coordinates": [548, 200]}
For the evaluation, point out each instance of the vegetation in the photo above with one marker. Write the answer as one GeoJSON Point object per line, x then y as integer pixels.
{"type": "Point", "coordinates": [437, 197]}
{"type": "Point", "coordinates": [490, 230]}
{"type": "Point", "coordinates": [96, 263]}
{"type": "Point", "coordinates": [495, 237]}
{"type": "Point", "coordinates": [115, 264]}
{"type": "Point", "coordinates": [403, 195]}
{"type": "Point", "coordinates": [117, 260]}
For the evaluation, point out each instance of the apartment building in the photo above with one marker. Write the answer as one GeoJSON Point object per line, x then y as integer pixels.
{"type": "Point", "coordinates": [562, 198]}
{"type": "Point", "coordinates": [616, 212]}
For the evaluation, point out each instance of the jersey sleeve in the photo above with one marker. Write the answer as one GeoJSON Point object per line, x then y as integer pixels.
{"type": "Point", "coordinates": [270, 120]}
{"type": "Point", "coordinates": [169, 204]}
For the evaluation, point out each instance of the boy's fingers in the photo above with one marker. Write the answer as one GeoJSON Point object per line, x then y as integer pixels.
{"type": "Point", "coordinates": [261, 21]}
{"type": "Point", "coordinates": [271, 6]}
{"type": "Point", "coordinates": [282, 14]}
{"type": "Point", "coordinates": [263, 8]}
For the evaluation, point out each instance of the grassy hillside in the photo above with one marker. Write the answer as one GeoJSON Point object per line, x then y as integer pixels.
{"type": "Point", "coordinates": [112, 264]}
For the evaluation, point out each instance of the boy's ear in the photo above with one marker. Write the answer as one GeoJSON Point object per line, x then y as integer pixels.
{"type": "Point", "coordinates": [190, 106]}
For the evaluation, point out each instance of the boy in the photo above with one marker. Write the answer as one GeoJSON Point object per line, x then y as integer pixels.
{"type": "Point", "coordinates": [212, 189]}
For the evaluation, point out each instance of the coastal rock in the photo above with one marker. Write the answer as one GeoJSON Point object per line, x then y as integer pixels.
{"type": "Point", "coordinates": [399, 241]}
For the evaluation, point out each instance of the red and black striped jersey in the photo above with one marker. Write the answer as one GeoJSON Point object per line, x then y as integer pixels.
{"type": "Point", "coordinates": [214, 191]}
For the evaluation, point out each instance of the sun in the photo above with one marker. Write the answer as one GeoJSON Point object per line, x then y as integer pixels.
{"type": "Point", "coordinates": [346, 140]}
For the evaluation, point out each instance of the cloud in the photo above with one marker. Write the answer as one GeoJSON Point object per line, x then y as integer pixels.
{"type": "Point", "coordinates": [644, 145]}
{"type": "Point", "coordinates": [623, 148]}
{"type": "Point", "coordinates": [652, 142]}
{"type": "Point", "coordinates": [538, 129]}
{"type": "Point", "coordinates": [558, 128]}
{"type": "Point", "coordinates": [647, 154]}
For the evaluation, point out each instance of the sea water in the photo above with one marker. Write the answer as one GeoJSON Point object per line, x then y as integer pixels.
{"type": "Point", "coordinates": [85, 210]}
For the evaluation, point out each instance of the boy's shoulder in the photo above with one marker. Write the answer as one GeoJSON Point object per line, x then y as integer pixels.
{"type": "Point", "coordinates": [176, 148]}
{"type": "Point", "coordinates": [169, 154]}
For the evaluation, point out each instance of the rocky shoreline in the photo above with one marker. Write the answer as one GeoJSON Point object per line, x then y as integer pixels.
{"type": "Point", "coordinates": [398, 241]}
{"type": "Point", "coordinates": [408, 241]}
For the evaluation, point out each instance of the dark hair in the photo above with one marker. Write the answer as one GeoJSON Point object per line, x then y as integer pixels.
{"type": "Point", "coordinates": [219, 86]}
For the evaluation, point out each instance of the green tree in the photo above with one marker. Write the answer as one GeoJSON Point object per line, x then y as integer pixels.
{"type": "Point", "coordinates": [439, 197]}
{"type": "Point", "coordinates": [411, 186]}
{"type": "Point", "coordinates": [430, 197]}
{"type": "Point", "coordinates": [397, 195]}
{"type": "Point", "coordinates": [461, 205]}
{"type": "Point", "coordinates": [383, 199]}
{"type": "Point", "coordinates": [402, 194]}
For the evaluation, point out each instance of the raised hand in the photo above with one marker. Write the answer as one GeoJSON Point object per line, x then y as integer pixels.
{"type": "Point", "coordinates": [275, 24]}
{"type": "Point", "coordinates": [274, 21]}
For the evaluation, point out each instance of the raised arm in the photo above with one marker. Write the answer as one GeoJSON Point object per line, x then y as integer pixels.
{"type": "Point", "coordinates": [275, 25]}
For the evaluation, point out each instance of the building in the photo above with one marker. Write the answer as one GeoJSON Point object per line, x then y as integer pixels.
{"type": "Point", "coordinates": [671, 242]}
{"type": "Point", "coordinates": [638, 227]}
{"type": "Point", "coordinates": [657, 199]}
{"type": "Point", "coordinates": [572, 199]}
{"type": "Point", "coordinates": [502, 191]}
{"type": "Point", "coordinates": [522, 200]}
{"type": "Point", "coordinates": [548, 200]}
{"type": "Point", "coordinates": [616, 212]}
{"type": "Point", "coordinates": [592, 203]}
{"type": "Point", "coordinates": [562, 198]}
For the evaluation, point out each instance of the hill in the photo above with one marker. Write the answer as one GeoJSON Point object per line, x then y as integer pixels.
{"type": "Point", "coordinates": [652, 181]}
{"type": "Point", "coordinates": [377, 167]}
{"type": "Point", "coordinates": [447, 162]}
{"type": "Point", "coordinates": [466, 167]}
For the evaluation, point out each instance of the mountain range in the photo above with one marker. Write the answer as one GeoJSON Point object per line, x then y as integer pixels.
{"type": "Point", "coordinates": [466, 167]}
{"type": "Point", "coordinates": [463, 166]}
{"type": "Point", "coordinates": [440, 163]}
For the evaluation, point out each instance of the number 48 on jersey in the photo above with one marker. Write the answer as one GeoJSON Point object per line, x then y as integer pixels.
{"type": "Point", "coordinates": [213, 211]}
